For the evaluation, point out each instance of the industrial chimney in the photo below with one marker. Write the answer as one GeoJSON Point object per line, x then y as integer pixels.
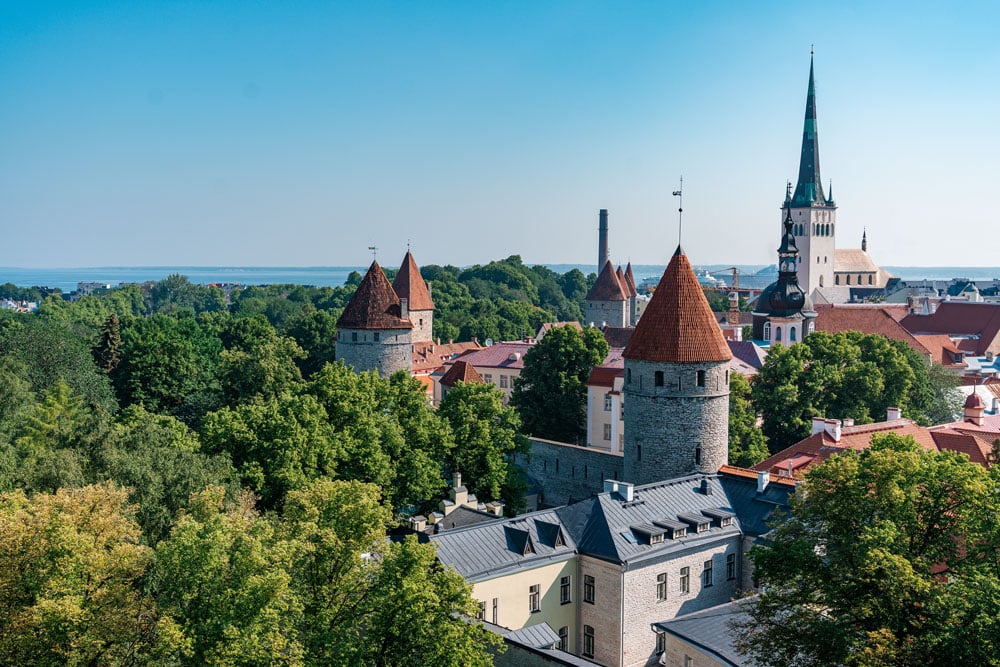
{"type": "Point", "coordinates": [602, 240]}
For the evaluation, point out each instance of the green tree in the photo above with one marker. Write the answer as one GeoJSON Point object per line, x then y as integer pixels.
{"type": "Point", "coordinates": [277, 444]}
{"type": "Point", "coordinates": [316, 333]}
{"type": "Point", "coordinates": [71, 569]}
{"type": "Point", "coordinates": [747, 443]}
{"type": "Point", "coordinates": [107, 353]}
{"type": "Point", "coordinates": [551, 394]}
{"type": "Point", "coordinates": [257, 361]}
{"type": "Point", "coordinates": [853, 576]}
{"type": "Point", "coordinates": [487, 435]}
{"type": "Point", "coordinates": [838, 375]}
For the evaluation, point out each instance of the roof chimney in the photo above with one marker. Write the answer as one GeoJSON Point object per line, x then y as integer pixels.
{"type": "Point", "coordinates": [848, 421]}
{"type": "Point", "coordinates": [763, 479]}
{"type": "Point", "coordinates": [818, 426]}
{"type": "Point", "coordinates": [833, 429]}
{"type": "Point", "coordinates": [892, 414]}
{"type": "Point", "coordinates": [418, 522]}
{"type": "Point", "coordinates": [706, 490]}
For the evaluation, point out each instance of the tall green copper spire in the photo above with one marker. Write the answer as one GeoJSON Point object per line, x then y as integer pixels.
{"type": "Point", "coordinates": [809, 190]}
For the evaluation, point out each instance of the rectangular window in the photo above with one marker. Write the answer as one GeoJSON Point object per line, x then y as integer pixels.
{"type": "Point", "coordinates": [565, 597]}
{"type": "Point", "coordinates": [588, 641]}
{"type": "Point", "coordinates": [503, 381]}
{"type": "Point", "coordinates": [731, 567]}
{"type": "Point", "coordinates": [563, 638]}
{"type": "Point", "coordinates": [701, 378]}
{"type": "Point", "coordinates": [708, 574]}
{"type": "Point", "coordinates": [481, 610]}
{"type": "Point", "coordinates": [661, 587]}
{"type": "Point", "coordinates": [354, 336]}
{"type": "Point", "coordinates": [376, 334]}
{"type": "Point", "coordinates": [685, 580]}
{"type": "Point", "coordinates": [588, 588]}
{"type": "Point", "coordinates": [496, 610]}
{"type": "Point", "coordinates": [607, 431]}
{"type": "Point", "coordinates": [661, 642]}
{"type": "Point", "coordinates": [607, 402]}
{"type": "Point", "coordinates": [487, 377]}
{"type": "Point", "coordinates": [534, 603]}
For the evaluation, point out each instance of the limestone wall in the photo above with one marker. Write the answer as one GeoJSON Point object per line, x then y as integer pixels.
{"type": "Point", "coordinates": [568, 472]}
{"type": "Point", "coordinates": [385, 351]}
{"type": "Point", "coordinates": [612, 313]}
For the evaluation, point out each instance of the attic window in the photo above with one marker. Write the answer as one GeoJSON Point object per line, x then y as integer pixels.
{"type": "Point", "coordinates": [700, 523]}
{"type": "Point", "coordinates": [722, 518]}
{"type": "Point", "coordinates": [674, 529]}
{"type": "Point", "coordinates": [528, 549]}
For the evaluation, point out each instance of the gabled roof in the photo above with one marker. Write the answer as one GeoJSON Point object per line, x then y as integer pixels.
{"type": "Point", "coordinates": [678, 325]}
{"type": "Point", "coordinates": [748, 352]}
{"type": "Point", "coordinates": [968, 319]}
{"type": "Point", "coordinates": [461, 371]}
{"type": "Point", "coordinates": [612, 367]}
{"type": "Point", "coordinates": [409, 284]}
{"type": "Point", "coordinates": [428, 356]}
{"type": "Point", "coordinates": [853, 260]}
{"type": "Point", "coordinates": [617, 336]}
{"type": "Point", "coordinates": [506, 354]}
{"type": "Point", "coordinates": [711, 631]}
{"type": "Point", "coordinates": [607, 287]}
{"type": "Point", "coordinates": [374, 305]}
{"type": "Point", "coordinates": [837, 318]}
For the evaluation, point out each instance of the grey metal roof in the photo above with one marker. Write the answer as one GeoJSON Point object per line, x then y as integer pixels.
{"type": "Point", "coordinates": [754, 510]}
{"type": "Point", "coordinates": [711, 630]}
{"type": "Point", "coordinates": [601, 525]}
{"type": "Point", "coordinates": [535, 636]}
{"type": "Point", "coordinates": [486, 549]}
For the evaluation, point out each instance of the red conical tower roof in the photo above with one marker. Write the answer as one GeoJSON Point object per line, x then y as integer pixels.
{"type": "Point", "coordinates": [678, 325]}
{"type": "Point", "coordinates": [607, 287]}
{"type": "Point", "coordinates": [374, 304]}
{"type": "Point", "coordinates": [630, 281]}
{"type": "Point", "coordinates": [409, 284]}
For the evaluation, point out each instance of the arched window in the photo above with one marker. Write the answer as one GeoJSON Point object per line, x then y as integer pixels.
{"type": "Point", "coordinates": [791, 334]}
{"type": "Point", "coordinates": [859, 278]}
{"type": "Point", "coordinates": [836, 280]}
{"type": "Point", "coordinates": [777, 334]}
{"type": "Point", "coordinates": [812, 326]}
{"type": "Point", "coordinates": [821, 281]}
{"type": "Point", "coordinates": [848, 280]}
{"type": "Point", "coordinates": [767, 331]}
{"type": "Point", "coordinates": [869, 279]}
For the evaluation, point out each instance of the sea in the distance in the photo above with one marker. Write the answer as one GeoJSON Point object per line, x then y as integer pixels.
{"type": "Point", "coordinates": [332, 276]}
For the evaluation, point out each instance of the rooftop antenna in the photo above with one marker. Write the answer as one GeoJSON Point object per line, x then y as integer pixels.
{"type": "Point", "coordinates": [374, 250]}
{"type": "Point", "coordinates": [680, 210]}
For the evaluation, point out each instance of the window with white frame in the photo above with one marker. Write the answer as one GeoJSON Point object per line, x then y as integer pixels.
{"type": "Point", "coordinates": [708, 574]}
{"type": "Point", "coordinates": [685, 580]}
{"type": "Point", "coordinates": [730, 566]}
{"type": "Point", "coordinates": [661, 642]}
{"type": "Point", "coordinates": [588, 588]}
{"type": "Point", "coordinates": [563, 638]}
{"type": "Point", "coordinates": [481, 610]}
{"type": "Point", "coordinates": [607, 431]}
{"type": "Point", "coordinates": [661, 587]}
{"type": "Point", "coordinates": [534, 598]}
{"type": "Point", "coordinates": [503, 381]}
{"type": "Point", "coordinates": [607, 402]}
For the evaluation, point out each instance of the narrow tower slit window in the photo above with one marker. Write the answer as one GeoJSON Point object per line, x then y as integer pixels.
{"type": "Point", "coordinates": [658, 378]}
{"type": "Point", "coordinates": [700, 378]}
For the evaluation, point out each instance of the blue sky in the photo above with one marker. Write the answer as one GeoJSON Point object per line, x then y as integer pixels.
{"type": "Point", "coordinates": [299, 133]}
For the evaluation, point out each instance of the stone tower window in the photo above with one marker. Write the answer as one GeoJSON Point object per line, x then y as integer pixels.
{"type": "Point", "coordinates": [638, 452]}
{"type": "Point", "coordinates": [697, 455]}
{"type": "Point", "coordinates": [354, 336]}
{"type": "Point", "coordinates": [658, 378]}
{"type": "Point", "coordinates": [376, 336]}
{"type": "Point", "coordinates": [629, 376]}
{"type": "Point", "coordinates": [700, 378]}
{"type": "Point", "coordinates": [821, 281]}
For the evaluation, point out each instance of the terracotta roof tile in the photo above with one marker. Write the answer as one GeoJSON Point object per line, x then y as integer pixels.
{"type": "Point", "coordinates": [461, 371]}
{"type": "Point", "coordinates": [612, 367]}
{"type": "Point", "coordinates": [429, 356]}
{"type": "Point", "coordinates": [956, 318]}
{"type": "Point", "coordinates": [630, 280]}
{"type": "Point", "coordinates": [678, 324]}
{"type": "Point", "coordinates": [499, 355]}
{"type": "Point", "coordinates": [617, 336]}
{"type": "Point", "coordinates": [374, 305]}
{"type": "Point", "coordinates": [837, 318]}
{"type": "Point", "coordinates": [409, 284]}
{"type": "Point", "coordinates": [977, 449]}
{"type": "Point", "coordinates": [607, 287]}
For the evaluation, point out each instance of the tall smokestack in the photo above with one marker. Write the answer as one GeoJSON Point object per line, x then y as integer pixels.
{"type": "Point", "coordinates": [602, 240]}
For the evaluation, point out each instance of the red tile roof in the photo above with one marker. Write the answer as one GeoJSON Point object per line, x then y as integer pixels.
{"type": "Point", "coordinates": [612, 367]}
{"type": "Point", "coordinates": [617, 336]}
{"type": "Point", "coordinates": [461, 371]}
{"type": "Point", "coordinates": [941, 348]}
{"type": "Point", "coordinates": [630, 280]}
{"type": "Point", "coordinates": [607, 287]}
{"type": "Point", "coordinates": [820, 446]}
{"type": "Point", "coordinates": [374, 304]}
{"type": "Point", "coordinates": [678, 324]}
{"type": "Point", "coordinates": [751, 474]}
{"type": "Point", "coordinates": [957, 318]}
{"type": "Point", "coordinates": [409, 284]}
{"type": "Point", "coordinates": [429, 356]}
{"type": "Point", "coordinates": [869, 319]}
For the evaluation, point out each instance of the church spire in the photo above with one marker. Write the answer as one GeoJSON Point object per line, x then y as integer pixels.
{"type": "Point", "coordinates": [809, 190]}
{"type": "Point", "coordinates": [864, 240]}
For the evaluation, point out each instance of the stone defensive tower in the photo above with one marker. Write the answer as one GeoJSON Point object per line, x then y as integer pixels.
{"type": "Point", "coordinates": [676, 383]}
{"type": "Point", "coordinates": [374, 333]}
{"type": "Point", "coordinates": [410, 285]}
{"type": "Point", "coordinates": [607, 301]}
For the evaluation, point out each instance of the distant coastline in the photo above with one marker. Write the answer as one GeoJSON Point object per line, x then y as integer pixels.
{"type": "Point", "coordinates": [66, 279]}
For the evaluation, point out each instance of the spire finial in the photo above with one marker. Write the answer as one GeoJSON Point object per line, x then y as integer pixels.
{"type": "Point", "coordinates": [811, 50]}
{"type": "Point", "coordinates": [680, 210]}
{"type": "Point", "coordinates": [407, 245]}
{"type": "Point", "coordinates": [374, 250]}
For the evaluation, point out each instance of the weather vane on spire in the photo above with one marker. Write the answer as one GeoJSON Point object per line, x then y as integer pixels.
{"type": "Point", "coordinates": [374, 250]}
{"type": "Point", "coordinates": [811, 49]}
{"type": "Point", "coordinates": [680, 210]}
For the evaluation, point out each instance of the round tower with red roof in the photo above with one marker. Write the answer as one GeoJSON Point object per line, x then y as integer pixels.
{"type": "Point", "coordinates": [607, 301]}
{"type": "Point", "coordinates": [374, 333]}
{"type": "Point", "coordinates": [676, 383]}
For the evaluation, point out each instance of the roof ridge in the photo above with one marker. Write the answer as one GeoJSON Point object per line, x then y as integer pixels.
{"type": "Point", "coordinates": [374, 305]}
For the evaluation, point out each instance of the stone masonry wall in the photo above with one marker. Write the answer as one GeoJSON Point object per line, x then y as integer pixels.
{"type": "Point", "coordinates": [393, 351]}
{"type": "Point", "coordinates": [568, 472]}
{"type": "Point", "coordinates": [665, 425]}
{"type": "Point", "coordinates": [423, 325]}
{"type": "Point", "coordinates": [612, 313]}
